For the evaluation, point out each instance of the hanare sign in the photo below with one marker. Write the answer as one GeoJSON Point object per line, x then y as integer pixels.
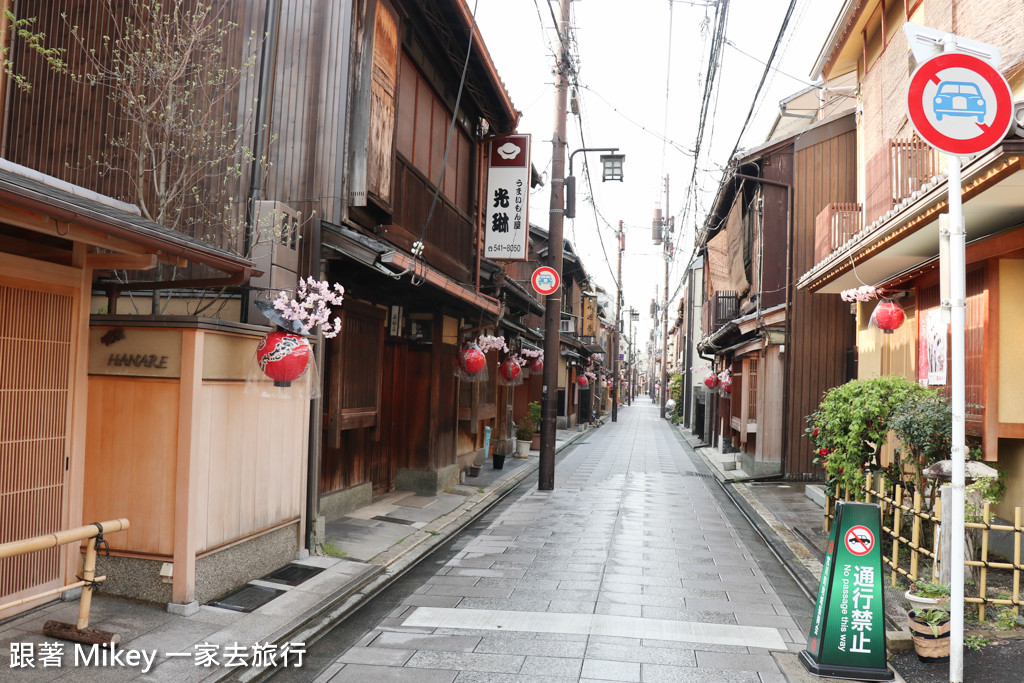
{"type": "Point", "coordinates": [506, 206]}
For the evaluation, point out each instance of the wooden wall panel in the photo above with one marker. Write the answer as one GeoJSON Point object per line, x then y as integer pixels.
{"type": "Point", "coordinates": [251, 463]}
{"type": "Point", "coordinates": [821, 329]}
{"type": "Point", "coordinates": [131, 442]}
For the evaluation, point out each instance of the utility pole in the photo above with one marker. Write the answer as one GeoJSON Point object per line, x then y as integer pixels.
{"type": "Point", "coordinates": [553, 303]}
{"type": "Point", "coordinates": [667, 250]}
{"type": "Point", "coordinates": [618, 326]}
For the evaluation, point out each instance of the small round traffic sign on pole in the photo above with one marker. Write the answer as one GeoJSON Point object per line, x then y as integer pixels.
{"type": "Point", "coordinates": [959, 104]}
{"type": "Point", "coordinates": [545, 280]}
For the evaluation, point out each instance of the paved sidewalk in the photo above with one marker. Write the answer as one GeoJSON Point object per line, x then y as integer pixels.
{"type": "Point", "coordinates": [636, 567]}
{"type": "Point", "coordinates": [378, 542]}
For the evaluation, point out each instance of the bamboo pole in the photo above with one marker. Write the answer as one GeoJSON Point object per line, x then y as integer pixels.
{"type": "Point", "coordinates": [915, 536]}
{"type": "Point", "coordinates": [897, 502]}
{"type": "Point", "coordinates": [28, 545]}
{"type": "Point", "coordinates": [46, 594]}
{"type": "Point", "coordinates": [984, 558]}
{"type": "Point", "coordinates": [1016, 561]}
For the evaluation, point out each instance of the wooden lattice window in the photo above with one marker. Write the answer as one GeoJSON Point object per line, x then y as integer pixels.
{"type": "Point", "coordinates": [35, 380]}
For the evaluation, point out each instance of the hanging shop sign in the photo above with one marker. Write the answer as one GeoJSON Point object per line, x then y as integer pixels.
{"type": "Point", "coordinates": [506, 206]}
{"type": "Point", "coordinates": [847, 637]}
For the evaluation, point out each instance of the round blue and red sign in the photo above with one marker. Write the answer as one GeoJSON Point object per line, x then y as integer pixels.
{"type": "Point", "coordinates": [959, 104]}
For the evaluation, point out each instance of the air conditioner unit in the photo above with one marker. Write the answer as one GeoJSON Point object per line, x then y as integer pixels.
{"type": "Point", "coordinates": [277, 234]}
{"type": "Point", "coordinates": [567, 326]}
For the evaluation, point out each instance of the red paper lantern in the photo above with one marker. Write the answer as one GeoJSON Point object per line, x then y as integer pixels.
{"type": "Point", "coordinates": [537, 365]}
{"type": "Point", "coordinates": [582, 381]}
{"type": "Point", "coordinates": [711, 381]}
{"type": "Point", "coordinates": [727, 385]}
{"type": "Point", "coordinates": [283, 356]}
{"type": "Point", "coordinates": [888, 315]}
{"type": "Point", "coordinates": [509, 369]}
{"type": "Point", "coordinates": [472, 360]}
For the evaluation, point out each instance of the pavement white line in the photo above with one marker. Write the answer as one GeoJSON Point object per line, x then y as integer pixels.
{"type": "Point", "coordinates": [596, 624]}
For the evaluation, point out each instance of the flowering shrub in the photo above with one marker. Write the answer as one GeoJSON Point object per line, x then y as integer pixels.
{"type": "Point", "coordinates": [865, 293]}
{"type": "Point", "coordinates": [309, 307]}
{"type": "Point", "coordinates": [851, 425]}
{"type": "Point", "coordinates": [532, 354]}
{"type": "Point", "coordinates": [487, 343]}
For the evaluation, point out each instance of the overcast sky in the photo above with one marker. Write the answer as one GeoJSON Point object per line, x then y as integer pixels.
{"type": "Point", "coordinates": [628, 70]}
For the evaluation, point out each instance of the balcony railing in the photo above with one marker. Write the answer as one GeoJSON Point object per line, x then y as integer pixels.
{"type": "Point", "coordinates": [834, 226]}
{"type": "Point", "coordinates": [896, 172]}
{"type": "Point", "coordinates": [723, 307]}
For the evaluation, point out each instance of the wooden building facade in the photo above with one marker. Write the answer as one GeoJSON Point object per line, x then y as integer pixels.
{"type": "Point", "coordinates": [783, 348]}
{"type": "Point", "coordinates": [888, 235]}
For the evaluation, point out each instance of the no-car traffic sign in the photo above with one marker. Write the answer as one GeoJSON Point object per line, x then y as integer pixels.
{"type": "Point", "coordinates": [959, 104]}
{"type": "Point", "coordinates": [545, 280]}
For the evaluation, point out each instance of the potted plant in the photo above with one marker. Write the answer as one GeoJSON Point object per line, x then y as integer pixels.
{"type": "Point", "coordinates": [533, 417]}
{"type": "Point", "coordinates": [930, 632]}
{"type": "Point", "coordinates": [924, 595]}
{"type": "Point", "coordinates": [524, 437]}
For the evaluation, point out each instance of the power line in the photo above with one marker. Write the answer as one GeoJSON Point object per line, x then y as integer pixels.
{"type": "Point", "coordinates": [764, 75]}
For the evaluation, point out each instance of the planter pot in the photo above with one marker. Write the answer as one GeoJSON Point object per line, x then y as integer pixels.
{"type": "Point", "coordinates": [535, 442]}
{"type": "Point", "coordinates": [930, 647]}
{"type": "Point", "coordinates": [499, 461]}
{"type": "Point", "coordinates": [474, 470]}
{"type": "Point", "coordinates": [522, 449]}
{"type": "Point", "coordinates": [918, 603]}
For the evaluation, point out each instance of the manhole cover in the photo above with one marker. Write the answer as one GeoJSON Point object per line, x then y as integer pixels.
{"type": "Point", "coordinates": [247, 598]}
{"type": "Point", "coordinates": [292, 574]}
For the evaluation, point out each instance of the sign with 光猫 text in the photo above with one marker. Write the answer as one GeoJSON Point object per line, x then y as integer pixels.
{"type": "Point", "coordinates": [506, 205]}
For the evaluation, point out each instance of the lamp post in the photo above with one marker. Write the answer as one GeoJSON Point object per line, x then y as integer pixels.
{"type": "Point", "coordinates": [563, 204]}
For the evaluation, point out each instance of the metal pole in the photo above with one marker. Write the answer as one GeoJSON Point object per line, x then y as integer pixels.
{"type": "Point", "coordinates": [618, 326]}
{"type": "Point", "coordinates": [629, 394]}
{"type": "Point", "coordinates": [958, 317]}
{"type": "Point", "coordinates": [665, 241]}
{"type": "Point", "coordinates": [553, 303]}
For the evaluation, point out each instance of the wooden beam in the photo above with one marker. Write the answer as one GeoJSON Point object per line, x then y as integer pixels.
{"type": "Point", "coordinates": [37, 222]}
{"type": "Point", "coordinates": [120, 261]}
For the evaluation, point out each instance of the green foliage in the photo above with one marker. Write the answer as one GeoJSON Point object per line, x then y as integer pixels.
{"type": "Point", "coordinates": [34, 42]}
{"type": "Point", "coordinates": [976, 642]}
{"type": "Point", "coordinates": [1006, 620]}
{"type": "Point", "coordinates": [923, 422]}
{"type": "Point", "coordinates": [851, 425]}
{"type": "Point", "coordinates": [933, 616]}
{"type": "Point", "coordinates": [534, 414]}
{"type": "Point", "coordinates": [675, 392]}
{"type": "Point", "coordinates": [334, 550]}
{"type": "Point", "coordinates": [524, 429]}
{"type": "Point", "coordinates": [983, 490]}
{"type": "Point", "coordinates": [927, 589]}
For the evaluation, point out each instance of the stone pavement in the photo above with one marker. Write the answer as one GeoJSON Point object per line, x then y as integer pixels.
{"type": "Point", "coordinates": [375, 544]}
{"type": "Point", "coordinates": [637, 567]}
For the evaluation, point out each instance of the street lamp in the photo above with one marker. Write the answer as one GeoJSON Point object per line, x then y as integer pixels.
{"type": "Point", "coordinates": [611, 169]}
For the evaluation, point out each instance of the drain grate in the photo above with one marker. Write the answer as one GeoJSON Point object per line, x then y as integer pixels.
{"type": "Point", "coordinates": [393, 520]}
{"type": "Point", "coordinates": [246, 598]}
{"type": "Point", "coordinates": [292, 574]}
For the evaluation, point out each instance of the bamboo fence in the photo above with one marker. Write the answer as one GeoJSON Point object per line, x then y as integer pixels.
{"type": "Point", "coordinates": [896, 507]}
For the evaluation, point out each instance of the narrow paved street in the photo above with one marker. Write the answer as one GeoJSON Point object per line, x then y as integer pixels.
{"type": "Point", "coordinates": [637, 567]}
